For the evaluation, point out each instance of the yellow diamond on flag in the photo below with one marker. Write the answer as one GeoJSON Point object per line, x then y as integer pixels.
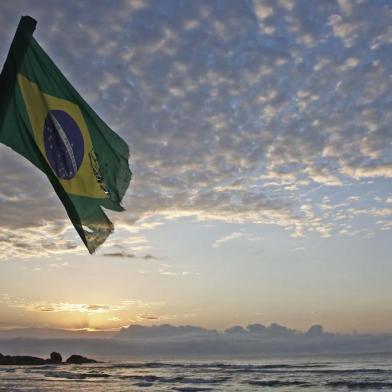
{"type": "Point", "coordinates": [78, 178]}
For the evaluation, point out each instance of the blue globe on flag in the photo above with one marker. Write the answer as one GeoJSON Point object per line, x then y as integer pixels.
{"type": "Point", "coordinates": [64, 145]}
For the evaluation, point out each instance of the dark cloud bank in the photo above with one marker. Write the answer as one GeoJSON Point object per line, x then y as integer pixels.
{"type": "Point", "coordinates": [190, 341]}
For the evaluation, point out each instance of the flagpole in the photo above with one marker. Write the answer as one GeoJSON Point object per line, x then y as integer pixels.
{"type": "Point", "coordinates": [15, 57]}
{"type": "Point", "coordinates": [27, 24]}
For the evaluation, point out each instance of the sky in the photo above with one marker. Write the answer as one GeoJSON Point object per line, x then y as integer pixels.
{"type": "Point", "coordinates": [261, 151]}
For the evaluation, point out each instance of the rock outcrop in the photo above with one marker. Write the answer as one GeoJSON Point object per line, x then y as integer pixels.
{"type": "Point", "coordinates": [21, 360]}
{"type": "Point", "coordinates": [79, 359]}
{"type": "Point", "coordinates": [55, 359]}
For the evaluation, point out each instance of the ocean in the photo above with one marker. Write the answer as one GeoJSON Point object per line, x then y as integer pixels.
{"type": "Point", "coordinates": [332, 373]}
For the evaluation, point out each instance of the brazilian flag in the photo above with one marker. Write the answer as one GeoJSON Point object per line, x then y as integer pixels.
{"type": "Point", "coordinates": [43, 118]}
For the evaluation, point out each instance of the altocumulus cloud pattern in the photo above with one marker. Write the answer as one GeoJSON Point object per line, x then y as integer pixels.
{"type": "Point", "coordinates": [238, 111]}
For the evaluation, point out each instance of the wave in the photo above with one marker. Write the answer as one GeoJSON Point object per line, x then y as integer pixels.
{"type": "Point", "coordinates": [149, 378]}
{"type": "Point", "coordinates": [192, 389]}
{"type": "Point", "coordinates": [351, 371]}
{"type": "Point", "coordinates": [144, 384]}
{"type": "Point", "coordinates": [360, 384]}
{"type": "Point", "coordinates": [208, 375]}
{"type": "Point", "coordinates": [75, 376]}
{"type": "Point", "coordinates": [278, 383]}
{"type": "Point", "coordinates": [216, 365]}
{"type": "Point", "coordinates": [319, 372]}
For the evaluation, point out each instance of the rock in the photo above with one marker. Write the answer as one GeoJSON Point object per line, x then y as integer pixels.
{"type": "Point", "coordinates": [78, 359]}
{"type": "Point", "coordinates": [21, 360]}
{"type": "Point", "coordinates": [55, 358]}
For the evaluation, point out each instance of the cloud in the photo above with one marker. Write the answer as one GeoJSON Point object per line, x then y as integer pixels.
{"type": "Point", "coordinates": [189, 340]}
{"type": "Point", "coordinates": [120, 254]}
{"type": "Point", "coordinates": [131, 256]}
{"type": "Point", "coordinates": [66, 307]}
{"type": "Point", "coordinates": [147, 317]}
{"type": "Point", "coordinates": [235, 236]}
{"type": "Point", "coordinates": [114, 319]}
{"type": "Point", "coordinates": [175, 273]}
{"type": "Point", "coordinates": [89, 308]}
{"type": "Point", "coordinates": [43, 240]}
{"type": "Point", "coordinates": [201, 345]}
{"type": "Point", "coordinates": [370, 171]}
{"type": "Point", "coordinates": [232, 111]}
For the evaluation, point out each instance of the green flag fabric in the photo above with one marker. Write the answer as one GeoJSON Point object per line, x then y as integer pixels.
{"type": "Point", "coordinates": [43, 118]}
